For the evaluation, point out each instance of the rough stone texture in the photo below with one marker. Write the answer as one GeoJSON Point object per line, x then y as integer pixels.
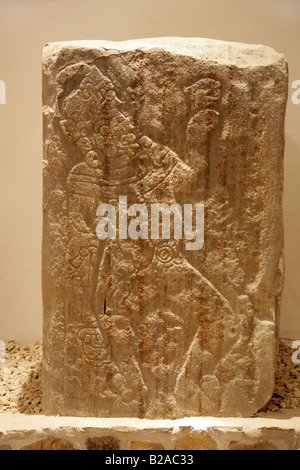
{"type": "Point", "coordinates": [20, 379]}
{"type": "Point", "coordinates": [103, 443]}
{"type": "Point", "coordinates": [270, 437]}
{"type": "Point", "coordinates": [197, 440]}
{"type": "Point", "coordinates": [49, 444]}
{"type": "Point", "coordinates": [257, 446]}
{"type": "Point", "coordinates": [287, 381]}
{"type": "Point", "coordinates": [147, 328]}
{"type": "Point", "coordinates": [140, 445]}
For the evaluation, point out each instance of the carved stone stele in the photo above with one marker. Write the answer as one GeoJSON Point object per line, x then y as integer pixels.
{"type": "Point", "coordinates": [147, 327]}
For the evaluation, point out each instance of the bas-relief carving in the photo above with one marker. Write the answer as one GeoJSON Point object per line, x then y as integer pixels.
{"type": "Point", "coordinates": [135, 338]}
{"type": "Point", "coordinates": [146, 332]}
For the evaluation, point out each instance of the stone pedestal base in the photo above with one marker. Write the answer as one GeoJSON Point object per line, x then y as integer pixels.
{"type": "Point", "coordinates": [271, 432]}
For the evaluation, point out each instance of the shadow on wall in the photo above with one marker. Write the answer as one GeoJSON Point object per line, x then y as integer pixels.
{"type": "Point", "coordinates": [291, 293]}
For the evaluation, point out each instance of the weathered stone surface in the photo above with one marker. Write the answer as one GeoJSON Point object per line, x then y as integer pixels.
{"type": "Point", "coordinates": [145, 445]}
{"type": "Point", "coordinates": [147, 327]}
{"type": "Point", "coordinates": [257, 446]}
{"type": "Point", "coordinates": [196, 440]}
{"type": "Point", "coordinates": [103, 443]}
{"type": "Point", "coordinates": [49, 444]}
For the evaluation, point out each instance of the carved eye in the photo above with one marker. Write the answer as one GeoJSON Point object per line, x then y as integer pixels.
{"type": "Point", "coordinates": [164, 254]}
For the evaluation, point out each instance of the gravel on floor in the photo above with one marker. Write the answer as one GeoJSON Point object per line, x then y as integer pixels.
{"type": "Point", "coordinates": [20, 379]}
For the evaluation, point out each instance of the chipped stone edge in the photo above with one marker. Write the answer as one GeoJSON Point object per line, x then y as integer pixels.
{"type": "Point", "coordinates": [229, 53]}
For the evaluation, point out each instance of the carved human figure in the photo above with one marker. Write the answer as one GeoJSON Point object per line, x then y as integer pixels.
{"type": "Point", "coordinates": [117, 160]}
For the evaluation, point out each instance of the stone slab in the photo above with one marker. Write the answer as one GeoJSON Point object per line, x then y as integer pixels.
{"type": "Point", "coordinates": [149, 328]}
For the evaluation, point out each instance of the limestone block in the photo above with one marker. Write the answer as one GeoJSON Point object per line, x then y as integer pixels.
{"type": "Point", "coordinates": [196, 440]}
{"type": "Point", "coordinates": [147, 326]}
{"type": "Point", "coordinates": [49, 444]}
{"type": "Point", "coordinates": [103, 443]}
{"type": "Point", "coordinates": [257, 446]}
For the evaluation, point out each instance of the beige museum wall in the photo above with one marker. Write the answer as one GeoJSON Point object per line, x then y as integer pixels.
{"type": "Point", "coordinates": [25, 25]}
